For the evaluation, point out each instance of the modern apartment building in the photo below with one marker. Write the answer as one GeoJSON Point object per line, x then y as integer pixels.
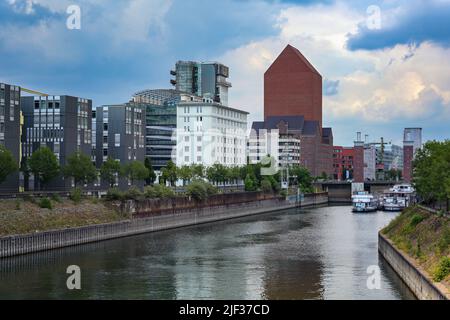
{"type": "Point", "coordinates": [209, 132]}
{"type": "Point", "coordinates": [62, 123]}
{"type": "Point", "coordinates": [11, 122]}
{"type": "Point", "coordinates": [203, 79]}
{"type": "Point", "coordinates": [279, 141]}
{"type": "Point", "coordinates": [120, 135]}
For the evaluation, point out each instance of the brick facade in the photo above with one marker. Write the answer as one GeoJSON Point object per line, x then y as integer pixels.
{"type": "Point", "coordinates": [293, 87]}
{"type": "Point", "coordinates": [408, 155]}
{"type": "Point", "coordinates": [358, 163]}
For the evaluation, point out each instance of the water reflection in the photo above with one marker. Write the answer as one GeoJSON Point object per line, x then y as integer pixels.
{"type": "Point", "coordinates": [315, 254]}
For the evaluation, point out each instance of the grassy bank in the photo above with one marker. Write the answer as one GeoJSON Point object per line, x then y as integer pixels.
{"type": "Point", "coordinates": [425, 237]}
{"type": "Point", "coordinates": [23, 217]}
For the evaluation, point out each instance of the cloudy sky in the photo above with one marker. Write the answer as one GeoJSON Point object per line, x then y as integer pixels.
{"type": "Point", "coordinates": [379, 75]}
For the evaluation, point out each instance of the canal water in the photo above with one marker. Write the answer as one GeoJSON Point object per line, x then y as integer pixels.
{"type": "Point", "coordinates": [320, 253]}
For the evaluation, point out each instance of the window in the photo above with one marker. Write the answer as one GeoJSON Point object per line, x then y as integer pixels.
{"type": "Point", "coordinates": [117, 140]}
{"type": "Point", "coordinates": [105, 152]}
{"type": "Point", "coordinates": [186, 149]}
{"type": "Point", "coordinates": [105, 139]}
{"type": "Point", "coordinates": [105, 127]}
{"type": "Point", "coordinates": [186, 159]}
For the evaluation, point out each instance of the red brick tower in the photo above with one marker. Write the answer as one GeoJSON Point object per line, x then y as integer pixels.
{"type": "Point", "coordinates": [292, 86]}
{"type": "Point", "coordinates": [408, 156]}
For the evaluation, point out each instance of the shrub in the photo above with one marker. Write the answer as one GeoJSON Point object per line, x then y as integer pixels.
{"type": "Point", "coordinates": [159, 191]}
{"type": "Point", "coordinates": [76, 195]}
{"type": "Point", "coordinates": [55, 198]}
{"type": "Point", "coordinates": [114, 194]}
{"type": "Point", "coordinates": [18, 205]}
{"type": "Point", "coordinates": [415, 220]}
{"type": "Point", "coordinates": [197, 191]}
{"type": "Point", "coordinates": [284, 193]}
{"type": "Point", "coordinates": [444, 242]}
{"type": "Point", "coordinates": [45, 203]}
{"type": "Point", "coordinates": [443, 270]}
{"type": "Point", "coordinates": [133, 193]}
{"type": "Point", "coordinates": [266, 185]}
{"type": "Point", "coordinates": [200, 190]}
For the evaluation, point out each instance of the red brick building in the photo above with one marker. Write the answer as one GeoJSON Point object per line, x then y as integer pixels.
{"type": "Point", "coordinates": [293, 88]}
{"type": "Point", "coordinates": [408, 156]}
{"type": "Point", "coordinates": [343, 162]}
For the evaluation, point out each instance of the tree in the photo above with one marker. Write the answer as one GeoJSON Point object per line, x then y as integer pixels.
{"type": "Point", "coordinates": [169, 173]}
{"type": "Point", "coordinates": [304, 178]}
{"type": "Point", "coordinates": [432, 171]}
{"type": "Point", "coordinates": [7, 164]}
{"type": "Point", "coordinates": [234, 175]}
{"type": "Point", "coordinates": [250, 183]}
{"type": "Point", "coordinates": [135, 171]}
{"type": "Point", "coordinates": [110, 170]}
{"type": "Point", "coordinates": [185, 173]}
{"type": "Point", "coordinates": [198, 171]}
{"type": "Point", "coordinates": [79, 167]}
{"type": "Point", "coordinates": [44, 166]}
{"type": "Point", "coordinates": [151, 172]}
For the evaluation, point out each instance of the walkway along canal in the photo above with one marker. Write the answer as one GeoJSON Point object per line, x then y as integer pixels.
{"type": "Point", "coordinates": [320, 253]}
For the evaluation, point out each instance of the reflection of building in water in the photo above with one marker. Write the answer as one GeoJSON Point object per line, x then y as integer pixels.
{"type": "Point", "coordinates": [297, 279]}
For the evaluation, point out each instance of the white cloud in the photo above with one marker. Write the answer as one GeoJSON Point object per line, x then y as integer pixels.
{"type": "Point", "coordinates": [374, 86]}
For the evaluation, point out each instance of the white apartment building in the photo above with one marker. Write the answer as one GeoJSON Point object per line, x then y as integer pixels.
{"type": "Point", "coordinates": [209, 133]}
{"type": "Point", "coordinates": [284, 148]}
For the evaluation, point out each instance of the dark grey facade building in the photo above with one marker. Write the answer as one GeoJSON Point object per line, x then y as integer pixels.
{"type": "Point", "coordinates": [204, 79]}
{"type": "Point", "coordinates": [10, 130]}
{"type": "Point", "coordinates": [120, 135]}
{"type": "Point", "coordinates": [62, 123]}
{"type": "Point", "coordinates": [161, 123]}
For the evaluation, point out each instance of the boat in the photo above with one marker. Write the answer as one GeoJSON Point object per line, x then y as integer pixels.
{"type": "Point", "coordinates": [364, 202]}
{"type": "Point", "coordinates": [398, 198]}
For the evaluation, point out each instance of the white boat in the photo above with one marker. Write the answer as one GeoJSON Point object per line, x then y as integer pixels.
{"type": "Point", "coordinates": [364, 202]}
{"type": "Point", "coordinates": [399, 197]}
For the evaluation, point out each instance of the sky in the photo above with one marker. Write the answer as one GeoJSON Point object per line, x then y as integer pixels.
{"type": "Point", "coordinates": [385, 64]}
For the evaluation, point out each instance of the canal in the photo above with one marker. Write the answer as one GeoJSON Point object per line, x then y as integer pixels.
{"type": "Point", "coordinates": [320, 253]}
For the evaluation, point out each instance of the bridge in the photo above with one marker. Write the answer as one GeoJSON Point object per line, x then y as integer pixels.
{"type": "Point", "coordinates": [341, 192]}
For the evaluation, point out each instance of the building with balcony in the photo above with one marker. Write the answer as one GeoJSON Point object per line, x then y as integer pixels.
{"type": "Point", "coordinates": [203, 79]}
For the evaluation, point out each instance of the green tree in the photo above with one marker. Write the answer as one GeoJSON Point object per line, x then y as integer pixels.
{"type": "Point", "coordinates": [169, 173]}
{"type": "Point", "coordinates": [185, 174]}
{"type": "Point", "coordinates": [151, 172]}
{"type": "Point", "coordinates": [44, 166]}
{"type": "Point", "coordinates": [432, 171]}
{"type": "Point", "coordinates": [79, 167]}
{"type": "Point", "coordinates": [304, 178]}
{"type": "Point", "coordinates": [135, 171]}
{"type": "Point", "coordinates": [110, 170]}
{"type": "Point", "coordinates": [198, 171]}
{"type": "Point", "coordinates": [250, 184]}
{"type": "Point", "coordinates": [7, 164]}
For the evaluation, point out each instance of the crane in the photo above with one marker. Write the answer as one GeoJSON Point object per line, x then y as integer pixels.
{"type": "Point", "coordinates": [37, 93]}
{"type": "Point", "coordinates": [380, 164]}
